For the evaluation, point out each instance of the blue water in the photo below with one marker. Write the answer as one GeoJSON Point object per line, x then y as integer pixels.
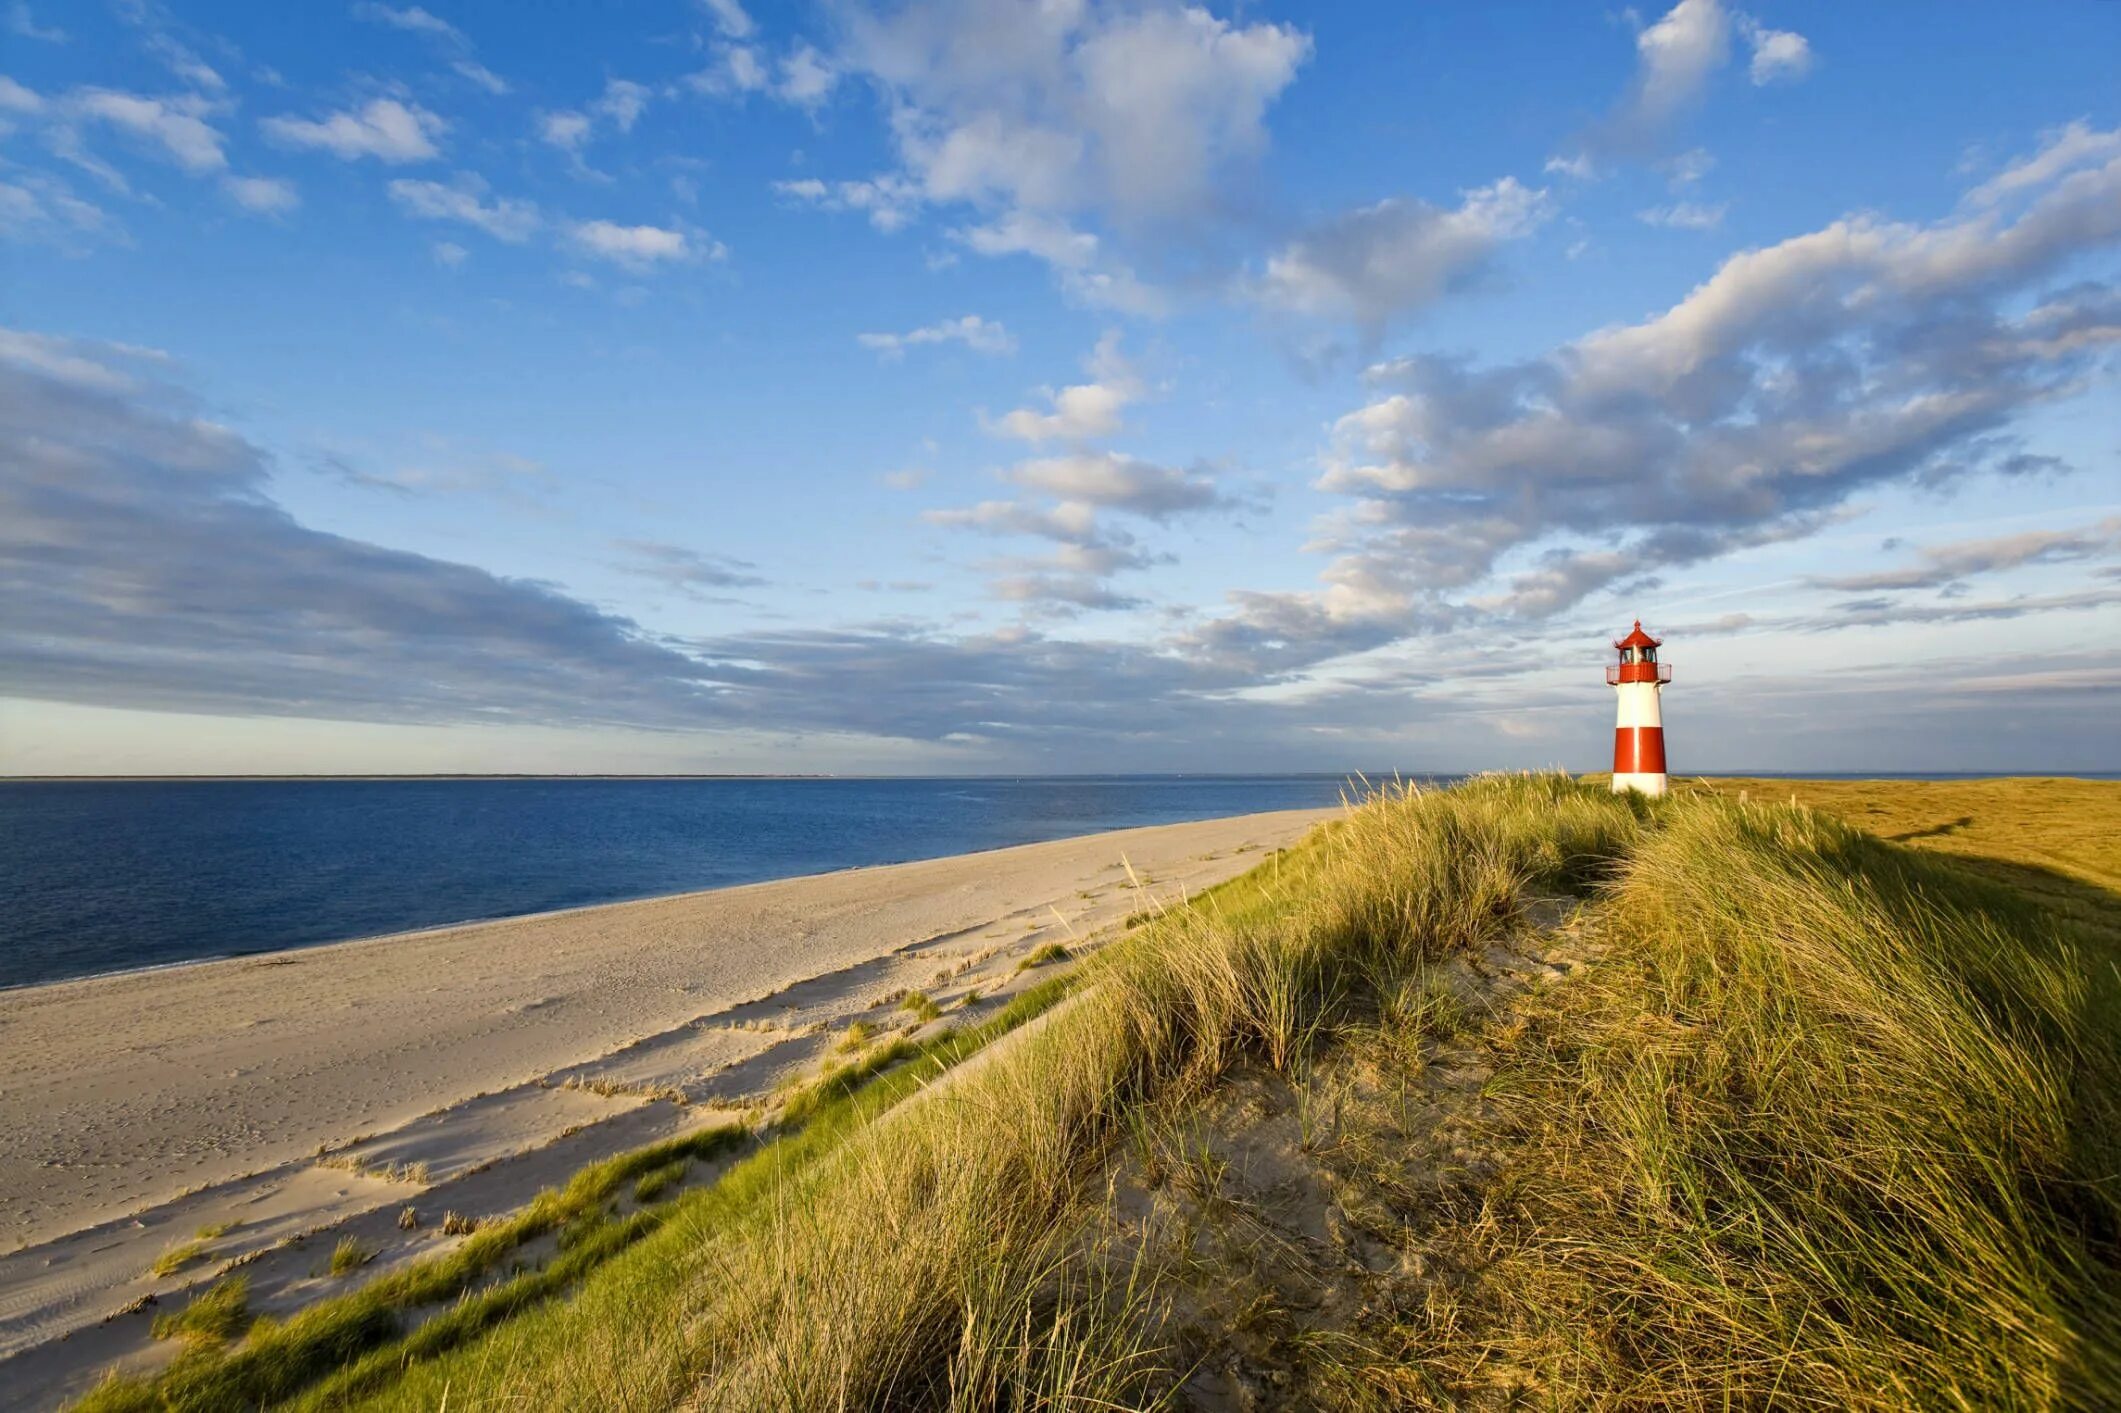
{"type": "Point", "coordinates": [100, 876]}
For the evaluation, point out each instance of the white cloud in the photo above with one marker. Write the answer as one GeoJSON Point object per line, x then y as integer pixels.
{"type": "Point", "coordinates": [1685, 215]}
{"type": "Point", "coordinates": [1119, 482]}
{"type": "Point", "coordinates": [1863, 353]}
{"type": "Point", "coordinates": [730, 18]}
{"type": "Point", "coordinates": [1675, 57]}
{"type": "Point", "coordinates": [978, 334]}
{"type": "Point", "coordinates": [1083, 411]}
{"type": "Point", "coordinates": [449, 254]}
{"type": "Point", "coordinates": [888, 202]}
{"type": "Point", "coordinates": [185, 64]}
{"type": "Point", "coordinates": [640, 247]}
{"type": "Point", "coordinates": [35, 207]}
{"type": "Point", "coordinates": [265, 195]}
{"type": "Point", "coordinates": [1689, 167]}
{"type": "Point", "coordinates": [1940, 565]}
{"type": "Point", "coordinates": [465, 200]}
{"type": "Point", "coordinates": [1372, 264]}
{"type": "Point", "coordinates": [14, 98]}
{"type": "Point", "coordinates": [1074, 256]}
{"type": "Point", "coordinates": [481, 76]}
{"type": "Point", "coordinates": [1779, 55]}
{"type": "Point", "coordinates": [623, 103]}
{"type": "Point", "coordinates": [175, 125]}
{"type": "Point", "coordinates": [2066, 149]}
{"type": "Point", "coordinates": [619, 107]}
{"type": "Point", "coordinates": [1577, 168]}
{"type": "Point", "coordinates": [807, 77]}
{"type": "Point", "coordinates": [383, 128]}
{"type": "Point", "coordinates": [413, 20]}
{"type": "Point", "coordinates": [567, 129]}
{"type": "Point", "coordinates": [23, 24]}
{"type": "Point", "coordinates": [1057, 118]}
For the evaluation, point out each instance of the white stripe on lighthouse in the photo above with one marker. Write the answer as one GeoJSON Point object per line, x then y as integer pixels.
{"type": "Point", "coordinates": [1639, 705]}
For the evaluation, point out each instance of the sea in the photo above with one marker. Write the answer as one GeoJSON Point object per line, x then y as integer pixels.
{"type": "Point", "coordinates": [101, 876]}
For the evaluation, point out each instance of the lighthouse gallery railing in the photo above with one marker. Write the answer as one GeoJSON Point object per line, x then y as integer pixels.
{"type": "Point", "coordinates": [1637, 672]}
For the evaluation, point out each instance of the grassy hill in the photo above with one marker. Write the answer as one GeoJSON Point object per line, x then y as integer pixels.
{"type": "Point", "coordinates": [1515, 1092]}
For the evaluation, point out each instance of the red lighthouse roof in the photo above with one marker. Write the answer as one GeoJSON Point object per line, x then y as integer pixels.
{"type": "Point", "coordinates": [1639, 639]}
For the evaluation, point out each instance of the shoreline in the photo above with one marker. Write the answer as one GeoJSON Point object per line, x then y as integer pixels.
{"type": "Point", "coordinates": [276, 1093]}
{"type": "Point", "coordinates": [263, 954]}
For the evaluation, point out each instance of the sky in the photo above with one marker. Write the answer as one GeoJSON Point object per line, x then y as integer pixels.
{"type": "Point", "coordinates": [957, 386]}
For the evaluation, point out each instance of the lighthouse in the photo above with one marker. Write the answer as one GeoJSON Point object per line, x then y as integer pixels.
{"type": "Point", "coordinates": [1638, 733]}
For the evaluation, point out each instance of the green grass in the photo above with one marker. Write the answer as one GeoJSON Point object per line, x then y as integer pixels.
{"type": "Point", "coordinates": [184, 1253]}
{"type": "Point", "coordinates": [658, 1183]}
{"type": "Point", "coordinates": [217, 1314]}
{"type": "Point", "coordinates": [278, 1361]}
{"type": "Point", "coordinates": [348, 1256]}
{"type": "Point", "coordinates": [1830, 1122]}
{"type": "Point", "coordinates": [1045, 954]}
{"type": "Point", "coordinates": [921, 1006]}
{"type": "Point", "coordinates": [353, 1345]}
{"type": "Point", "coordinates": [925, 1253]}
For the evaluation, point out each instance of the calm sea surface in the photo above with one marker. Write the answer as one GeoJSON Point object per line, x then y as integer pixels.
{"type": "Point", "coordinates": [100, 876]}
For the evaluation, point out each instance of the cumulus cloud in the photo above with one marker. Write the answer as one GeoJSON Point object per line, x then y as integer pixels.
{"type": "Point", "coordinates": [1378, 262]}
{"type": "Point", "coordinates": [1779, 55]}
{"type": "Point", "coordinates": [1861, 354]}
{"type": "Point", "coordinates": [265, 195]}
{"type": "Point", "coordinates": [466, 199]}
{"type": "Point", "coordinates": [618, 108]}
{"type": "Point", "coordinates": [392, 132]}
{"type": "Point", "coordinates": [1675, 58]}
{"type": "Point", "coordinates": [1081, 411]}
{"type": "Point", "coordinates": [978, 334]}
{"type": "Point", "coordinates": [889, 202]}
{"type": "Point", "coordinates": [176, 126]}
{"type": "Point", "coordinates": [1051, 117]}
{"type": "Point", "coordinates": [1071, 498]}
{"type": "Point", "coordinates": [1118, 482]}
{"type": "Point", "coordinates": [641, 247]}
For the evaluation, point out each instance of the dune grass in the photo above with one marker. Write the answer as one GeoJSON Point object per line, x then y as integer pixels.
{"type": "Point", "coordinates": [1833, 1125]}
{"type": "Point", "coordinates": [1829, 1123]}
{"type": "Point", "coordinates": [930, 1253]}
{"type": "Point", "coordinates": [216, 1314]}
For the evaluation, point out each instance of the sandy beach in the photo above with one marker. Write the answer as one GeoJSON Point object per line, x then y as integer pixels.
{"type": "Point", "coordinates": [280, 1094]}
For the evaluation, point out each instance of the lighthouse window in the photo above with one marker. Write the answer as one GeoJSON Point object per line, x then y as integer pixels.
{"type": "Point", "coordinates": [1649, 654]}
{"type": "Point", "coordinates": [1627, 654]}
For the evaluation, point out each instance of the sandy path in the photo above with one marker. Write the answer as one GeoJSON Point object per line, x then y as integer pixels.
{"type": "Point", "coordinates": [120, 1092]}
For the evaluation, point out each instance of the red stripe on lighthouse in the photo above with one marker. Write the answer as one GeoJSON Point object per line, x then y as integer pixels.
{"type": "Point", "coordinates": [1638, 750]}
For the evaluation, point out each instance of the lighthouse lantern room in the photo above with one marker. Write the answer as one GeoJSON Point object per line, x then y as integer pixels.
{"type": "Point", "coordinates": [1638, 734]}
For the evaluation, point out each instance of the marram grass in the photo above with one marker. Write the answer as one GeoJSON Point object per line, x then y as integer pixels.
{"type": "Point", "coordinates": [1826, 1125]}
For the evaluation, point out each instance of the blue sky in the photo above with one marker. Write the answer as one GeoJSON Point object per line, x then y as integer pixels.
{"type": "Point", "coordinates": [951, 386]}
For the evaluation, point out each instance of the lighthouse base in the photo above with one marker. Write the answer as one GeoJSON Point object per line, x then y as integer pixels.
{"type": "Point", "coordinates": [1641, 781]}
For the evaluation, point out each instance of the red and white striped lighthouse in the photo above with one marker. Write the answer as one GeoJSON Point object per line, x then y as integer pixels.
{"type": "Point", "coordinates": [1638, 734]}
